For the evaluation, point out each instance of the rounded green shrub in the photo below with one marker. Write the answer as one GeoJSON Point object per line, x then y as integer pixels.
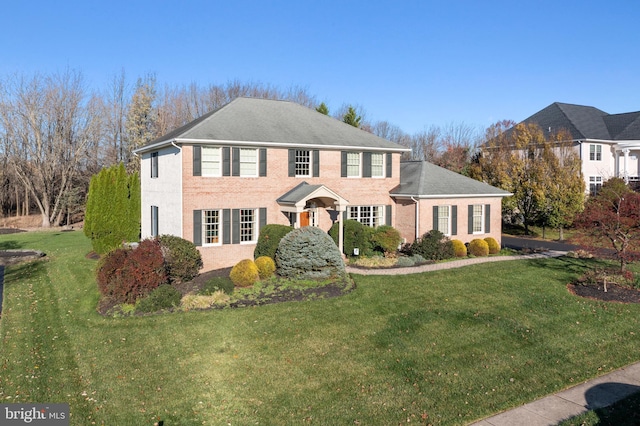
{"type": "Point", "coordinates": [126, 275]}
{"type": "Point", "coordinates": [244, 273]}
{"type": "Point", "coordinates": [266, 267]}
{"type": "Point", "coordinates": [405, 261]}
{"type": "Point", "coordinates": [217, 284]}
{"type": "Point", "coordinates": [433, 245]}
{"type": "Point", "coordinates": [459, 249]}
{"type": "Point", "coordinates": [356, 235]}
{"type": "Point", "coordinates": [269, 238]}
{"type": "Point", "coordinates": [494, 247]}
{"type": "Point", "coordinates": [385, 239]}
{"type": "Point", "coordinates": [162, 297]}
{"type": "Point", "coordinates": [478, 247]}
{"type": "Point", "coordinates": [309, 253]}
{"type": "Point", "coordinates": [181, 257]}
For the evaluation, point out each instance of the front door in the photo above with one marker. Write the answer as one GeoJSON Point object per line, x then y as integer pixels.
{"type": "Point", "coordinates": [304, 219]}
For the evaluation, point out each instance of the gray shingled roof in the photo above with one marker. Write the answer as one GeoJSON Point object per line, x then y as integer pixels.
{"type": "Point", "coordinates": [269, 122]}
{"type": "Point", "coordinates": [422, 179]}
{"type": "Point", "coordinates": [585, 122]}
{"type": "Point", "coordinates": [298, 193]}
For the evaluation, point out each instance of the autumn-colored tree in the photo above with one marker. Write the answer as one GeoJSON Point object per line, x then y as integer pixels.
{"type": "Point", "coordinates": [611, 221]}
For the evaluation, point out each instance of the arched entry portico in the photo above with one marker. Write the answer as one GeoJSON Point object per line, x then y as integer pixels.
{"type": "Point", "coordinates": [302, 203]}
{"type": "Point", "coordinates": [627, 154]}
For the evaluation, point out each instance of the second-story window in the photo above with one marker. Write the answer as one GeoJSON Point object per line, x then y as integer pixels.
{"type": "Point", "coordinates": [353, 164]}
{"type": "Point", "coordinates": [211, 161]}
{"type": "Point", "coordinates": [595, 152]}
{"type": "Point", "coordinates": [377, 165]}
{"type": "Point", "coordinates": [303, 162]}
{"type": "Point", "coordinates": [248, 162]}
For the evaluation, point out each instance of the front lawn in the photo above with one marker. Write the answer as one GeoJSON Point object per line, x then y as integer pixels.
{"type": "Point", "coordinates": [445, 347]}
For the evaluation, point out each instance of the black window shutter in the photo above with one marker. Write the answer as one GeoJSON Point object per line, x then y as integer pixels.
{"type": "Point", "coordinates": [235, 226]}
{"type": "Point", "coordinates": [454, 220]}
{"type": "Point", "coordinates": [387, 215]}
{"type": "Point", "coordinates": [235, 161]}
{"type": "Point", "coordinates": [226, 226]}
{"type": "Point", "coordinates": [316, 163]}
{"type": "Point", "coordinates": [435, 218]}
{"type": "Point", "coordinates": [154, 221]}
{"type": "Point", "coordinates": [197, 227]}
{"type": "Point", "coordinates": [226, 161]}
{"type": "Point", "coordinates": [263, 161]}
{"type": "Point", "coordinates": [389, 164]}
{"type": "Point", "coordinates": [487, 218]}
{"type": "Point", "coordinates": [263, 217]}
{"type": "Point", "coordinates": [345, 216]}
{"type": "Point", "coordinates": [292, 162]}
{"type": "Point", "coordinates": [197, 160]}
{"type": "Point", "coordinates": [343, 164]}
{"type": "Point", "coordinates": [366, 164]}
{"type": "Point", "coordinates": [154, 164]}
{"type": "Point", "coordinates": [470, 219]}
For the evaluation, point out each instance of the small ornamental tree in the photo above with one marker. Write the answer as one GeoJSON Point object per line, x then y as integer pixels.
{"type": "Point", "coordinates": [610, 223]}
{"type": "Point", "coordinates": [309, 253]}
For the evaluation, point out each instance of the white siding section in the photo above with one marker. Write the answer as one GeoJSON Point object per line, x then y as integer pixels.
{"type": "Point", "coordinates": [165, 191]}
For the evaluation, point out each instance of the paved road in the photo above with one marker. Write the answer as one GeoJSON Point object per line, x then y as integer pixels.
{"type": "Point", "coordinates": [519, 243]}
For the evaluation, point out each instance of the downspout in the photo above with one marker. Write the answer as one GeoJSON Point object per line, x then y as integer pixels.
{"type": "Point", "coordinates": [417, 217]}
{"type": "Point", "coordinates": [177, 147]}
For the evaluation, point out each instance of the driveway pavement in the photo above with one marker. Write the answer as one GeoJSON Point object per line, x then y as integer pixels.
{"type": "Point", "coordinates": [520, 243]}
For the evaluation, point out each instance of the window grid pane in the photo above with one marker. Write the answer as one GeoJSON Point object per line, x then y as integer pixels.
{"type": "Point", "coordinates": [248, 162]}
{"type": "Point", "coordinates": [247, 224]}
{"type": "Point", "coordinates": [211, 161]}
{"type": "Point", "coordinates": [303, 163]}
{"type": "Point", "coordinates": [377, 216]}
{"type": "Point", "coordinates": [211, 226]}
{"type": "Point", "coordinates": [365, 215]}
{"type": "Point", "coordinates": [377, 165]}
{"type": "Point", "coordinates": [353, 164]}
{"type": "Point", "coordinates": [477, 218]}
{"type": "Point", "coordinates": [443, 219]}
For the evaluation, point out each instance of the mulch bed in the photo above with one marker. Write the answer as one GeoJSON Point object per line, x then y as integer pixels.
{"type": "Point", "coordinates": [615, 293]}
{"type": "Point", "coordinates": [4, 231]}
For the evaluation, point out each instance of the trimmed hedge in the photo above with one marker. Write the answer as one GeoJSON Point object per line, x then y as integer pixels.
{"type": "Point", "coordinates": [459, 249]}
{"type": "Point", "coordinates": [356, 235]}
{"type": "Point", "coordinates": [385, 239]}
{"type": "Point", "coordinates": [266, 266]}
{"type": "Point", "coordinates": [162, 297]}
{"type": "Point", "coordinates": [494, 247]}
{"type": "Point", "coordinates": [479, 248]}
{"type": "Point", "coordinates": [269, 238]}
{"type": "Point", "coordinates": [245, 273]}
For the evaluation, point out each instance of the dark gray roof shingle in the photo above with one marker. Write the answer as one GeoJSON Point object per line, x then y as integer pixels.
{"type": "Point", "coordinates": [426, 180]}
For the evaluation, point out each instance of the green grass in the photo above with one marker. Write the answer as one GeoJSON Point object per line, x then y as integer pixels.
{"type": "Point", "coordinates": [445, 347]}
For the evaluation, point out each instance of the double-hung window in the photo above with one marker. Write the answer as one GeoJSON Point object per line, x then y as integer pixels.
{"type": "Point", "coordinates": [247, 225]}
{"type": "Point", "coordinates": [367, 215]}
{"type": "Point", "coordinates": [353, 164]}
{"type": "Point", "coordinates": [444, 219]}
{"type": "Point", "coordinates": [377, 165]}
{"type": "Point", "coordinates": [303, 163]}
{"type": "Point", "coordinates": [211, 161]}
{"type": "Point", "coordinates": [248, 162]}
{"type": "Point", "coordinates": [211, 229]}
{"type": "Point", "coordinates": [595, 183]}
{"type": "Point", "coordinates": [595, 152]}
{"type": "Point", "coordinates": [478, 219]}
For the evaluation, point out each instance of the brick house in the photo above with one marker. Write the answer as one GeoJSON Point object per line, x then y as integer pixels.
{"type": "Point", "coordinates": [217, 180]}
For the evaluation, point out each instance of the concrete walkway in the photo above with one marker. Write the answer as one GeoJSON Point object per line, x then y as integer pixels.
{"type": "Point", "coordinates": [550, 410]}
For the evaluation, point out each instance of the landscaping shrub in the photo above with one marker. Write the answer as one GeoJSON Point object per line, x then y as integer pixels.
{"type": "Point", "coordinates": [417, 259]}
{"type": "Point", "coordinates": [309, 253]}
{"type": "Point", "coordinates": [459, 249]}
{"type": "Point", "coordinates": [356, 235]}
{"type": "Point", "coordinates": [405, 262]}
{"type": "Point", "coordinates": [217, 284]}
{"type": "Point", "coordinates": [199, 301]}
{"type": "Point", "coordinates": [432, 245]}
{"type": "Point", "coordinates": [125, 275]}
{"type": "Point", "coordinates": [269, 238]}
{"type": "Point", "coordinates": [385, 239]}
{"type": "Point", "coordinates": [266, 267]}
{"type": "Point", "coordinates": [181, 258]}
{"type": "Point", "coordinates": [494, 247]}
{"type": "Point", "coordinates": [244, 273]}
{"type": "Point", "coordinates": [162, 297]}
{"type": "Point", "coordinates": [478, 247]}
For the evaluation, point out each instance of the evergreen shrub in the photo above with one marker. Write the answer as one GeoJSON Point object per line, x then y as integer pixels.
{"type": "Point", "coordinates": [433, 245]}
{"type": "Point", "coordinates": [309, 253]}
{"type": "Point", "coordinates": [269, 238]}
{"type": "Point", "coordinates": [266, 267]}
{"type": "Point", "coordinates": [494, 247]}
{"type": "Point", "coordinates": [162, 297]}
{"type": "Point", "coordinates": [244, 273]}
{"type": "Point", "coordinates": [126, 275]}
{"type": "Point", "coordinates": [182, 259]}
{"type": "Point", "coordinates": [216, 284]}
{"type": "Point", "coordinates": [459, 249]}
{"type": "Point", "coordinates": [479, 247]}
{"type": "Point", "coordinates": [385, 239]}
{"type": "Point", "coordinates": [356, 235]}
{"type": "Point", "coordinates": [405, 261]}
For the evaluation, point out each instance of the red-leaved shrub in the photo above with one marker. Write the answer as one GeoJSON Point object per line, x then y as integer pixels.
{"type": "Point", "coordinates": [126, 275]}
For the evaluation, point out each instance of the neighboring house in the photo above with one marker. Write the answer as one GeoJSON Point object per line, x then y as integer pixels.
{"type": "Point", "coordinates": [609, 144]}
{"type": "Point", "coordinates": [217, 180]}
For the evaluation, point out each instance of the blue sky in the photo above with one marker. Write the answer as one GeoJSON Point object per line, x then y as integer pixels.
{"type": "Point", "coordinates": [412, 63]}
